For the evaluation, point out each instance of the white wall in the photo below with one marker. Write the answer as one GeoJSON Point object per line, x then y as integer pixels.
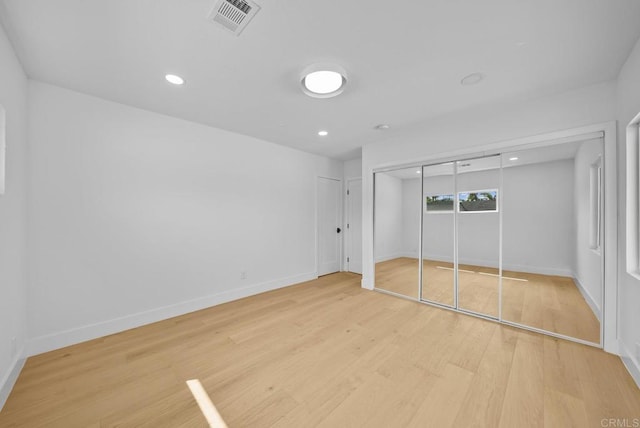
{"type": "Point", "coordinates": [461, 132]}
{"type": "Point", "coordinates": [352, 168]}
{"type": "Point", "coordinates": [13, 98]}
{"type": "Point", "coordinates": [138, 216]}
{"type": "Point", "coordinates": [628, 105]}
{"type": "Point", "coordinates": [388, 222]}
{"type": "Point", "coordinates": [588, 269]}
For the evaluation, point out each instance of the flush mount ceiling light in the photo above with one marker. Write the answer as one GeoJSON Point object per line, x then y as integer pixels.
{"type": "Point", "coordinates": [323, 80]}
{"type": "Point", "coordinates": [323, 133]}
{"type": "Point", "coordinates": [176, 80]}
{"type": "Point", "coordinates": [513, 158]}
{"type": "Point", "coordinates": [418, 172]}
{"type": "Point", "coordinates": [472, 79]}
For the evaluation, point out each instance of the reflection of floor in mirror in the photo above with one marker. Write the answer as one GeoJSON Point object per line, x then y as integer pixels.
{"type": "Point", "coordinates": [552, 303]}
{"type": "Point", "coordinates": [399, 276]}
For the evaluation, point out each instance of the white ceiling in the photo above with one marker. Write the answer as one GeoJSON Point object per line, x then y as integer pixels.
{"type": "Point", "coordinates": [405, 60]}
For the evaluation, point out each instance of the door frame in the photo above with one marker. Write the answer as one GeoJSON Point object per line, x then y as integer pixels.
{"type": "Point", "coordinates": [347, 241]}
{"type": "Point", "coordinates": [609, 331]}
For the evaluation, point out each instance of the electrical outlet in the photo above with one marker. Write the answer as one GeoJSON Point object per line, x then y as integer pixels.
{"type": "Point", "coordinates": [243, 274]}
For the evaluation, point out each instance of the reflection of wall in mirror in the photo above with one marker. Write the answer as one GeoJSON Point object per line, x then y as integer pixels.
{"type": "Point", "coordinates": [388, 217]}
{"type": "Point", "coordinates": [588, 268]}
{"type": "Point", "coordinates": [538, 220]}
{"type": "Point", "coordinates": [3, 150]}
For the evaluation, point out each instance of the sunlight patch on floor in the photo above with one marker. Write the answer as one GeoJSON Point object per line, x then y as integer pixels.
{"type": "Point", "coordinates": [459, 270]}
{"type": "Point", "coordinates": [206, 406]}
{"type": "Point", "coordinates": [484, 273]}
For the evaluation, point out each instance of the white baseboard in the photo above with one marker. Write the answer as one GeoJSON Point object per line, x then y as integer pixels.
{"type": "Point", "coordinates": [539, 270]}
{"type": "Point", "coordinates": [410, 254]}
{"type": "Point", "coordinates": [588, 298]}
{"type": "Point", "coordinates": [630, 362]}
{"type": "Point", "coordinates": [389, 257]}
{"type": "Point", "coordinates": [73, 336]}
{"type": "Point", "coordinates": [434, 258]}
{"type": "Point", "coordinates": [509, 267]}
{"type": "Point", "coordinates": [6, 384]}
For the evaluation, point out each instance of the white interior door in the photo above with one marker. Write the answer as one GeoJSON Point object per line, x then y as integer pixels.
{"type": "Point", "coordinates": [354, 226]}
{"type": "Point", "coordinates": [329, 225]}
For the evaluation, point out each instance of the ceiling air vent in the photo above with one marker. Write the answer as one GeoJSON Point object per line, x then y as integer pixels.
{"type": "Point", "coordinates": [234, 15]}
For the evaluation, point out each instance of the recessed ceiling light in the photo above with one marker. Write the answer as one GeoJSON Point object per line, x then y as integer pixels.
{"type": "Point", "coordinates": [323, 133]}
{"type": "Point", "coordinates": [472, 79]}
{"type": "Point", "coordinates": [381, 127]}
{"type": "Point", "coordinates": [418, 172]}
{"type": "Point", "coordinates": [176, 80]}
{"type": "Point", "coordinates": [323, 80]}
{"type": "Point", "coordinates": [513, 158]}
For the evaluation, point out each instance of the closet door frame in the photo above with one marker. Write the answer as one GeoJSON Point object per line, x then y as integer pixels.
{"type": "Point", "coordinates": [608, 323]}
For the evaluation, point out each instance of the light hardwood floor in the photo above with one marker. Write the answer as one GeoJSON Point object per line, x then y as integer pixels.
{"type": "Point", "coordinates": [547, 302]}
{"type": "Point", "coordinates": [324, 353]}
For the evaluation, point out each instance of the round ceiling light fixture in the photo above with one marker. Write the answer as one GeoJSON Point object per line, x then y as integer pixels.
{"type": "Point", "coordinates": [323, 80]}
{"type": "Point", "coordinates": [175, 79]}
{"type": "Point", "coordinates": [323, 133]}
{"type": "Point", "coordinates": [472, 79]}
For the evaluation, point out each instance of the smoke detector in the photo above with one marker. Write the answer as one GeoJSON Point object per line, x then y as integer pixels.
{"type": "Point", "coordinates": [233, 15]}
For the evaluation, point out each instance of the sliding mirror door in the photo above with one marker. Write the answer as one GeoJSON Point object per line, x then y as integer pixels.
{"type": "Point", "coordinates": [438, 221]}
{"type": "Point", "coordinates": [396, 230]}
{"type": "Point", "coordinates": [516, 237]}
{"type": "Point", "coordinates": [478, 202]}
{"type": "Point", "coordinates": [552, 253]}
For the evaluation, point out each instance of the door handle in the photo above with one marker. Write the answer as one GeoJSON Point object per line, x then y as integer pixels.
{"type": "Point", "coordinates": [338, 230]}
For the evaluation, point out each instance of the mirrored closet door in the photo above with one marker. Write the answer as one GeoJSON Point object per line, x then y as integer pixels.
{"type": "Point", "coordinates": [478, 231]}
{"type": "Point", "coordinates": [552, 224]}
{"type": "Point", "coordinates": [397, 230]}
{"type": "Point", "coordinates": [438, 233]}
{"type": "Point", "coordinates": [516, 237]}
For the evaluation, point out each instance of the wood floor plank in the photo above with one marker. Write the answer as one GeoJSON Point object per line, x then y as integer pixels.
{"type": "Point", "coordinates": [523, 405]}
{"type": "Point", "coordinates": [443, 402]}
{"type": "Point", "coordinates": [482, 405]}
{"type": "Point", "coordinates": [563, 410]}
{"type": "Point", "coordinates": [323, 353]}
